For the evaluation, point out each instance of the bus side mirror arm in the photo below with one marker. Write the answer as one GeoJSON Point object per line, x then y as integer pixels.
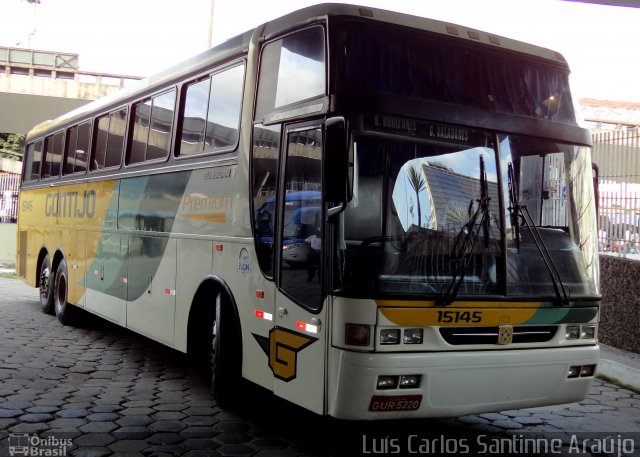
{"type": "Point", "coordinates": [337, 165]}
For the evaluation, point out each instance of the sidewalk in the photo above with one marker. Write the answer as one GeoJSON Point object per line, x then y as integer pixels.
{"type": "Point", "coordinates": [620, 366]}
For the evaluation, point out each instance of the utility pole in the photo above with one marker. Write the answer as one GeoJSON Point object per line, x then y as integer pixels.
{"type": "Point", "coordinates": [210, 25]}
{"type": "Point", "coordinates": [35, 3]}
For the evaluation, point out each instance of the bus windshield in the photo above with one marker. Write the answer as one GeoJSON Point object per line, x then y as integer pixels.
{"type": "Point", "coordinates": [428, 217]}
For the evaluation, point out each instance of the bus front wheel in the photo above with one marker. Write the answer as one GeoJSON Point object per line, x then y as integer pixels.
{"type": "Point", "coordinates": [60, 291]}
{"type": "Point", "coordinates": [225, 356]}
{"type": "Point", "coordinates": [45, 284]}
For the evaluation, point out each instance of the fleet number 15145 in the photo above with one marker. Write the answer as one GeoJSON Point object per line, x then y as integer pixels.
{"type": "Point", "coordinates": [449, 317]}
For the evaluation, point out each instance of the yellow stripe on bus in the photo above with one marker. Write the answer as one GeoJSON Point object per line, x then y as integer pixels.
{"type": "Point", "coordinates": [458, 317]}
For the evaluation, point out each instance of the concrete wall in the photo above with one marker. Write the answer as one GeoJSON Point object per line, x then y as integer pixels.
{"type": "Point", "coordinates": [8, 233]}
{"type": "Point", "coordinates": [620, 312]}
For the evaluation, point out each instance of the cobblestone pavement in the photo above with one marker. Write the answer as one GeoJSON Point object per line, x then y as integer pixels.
{"type": "Point", "coordinates": [97, 389]}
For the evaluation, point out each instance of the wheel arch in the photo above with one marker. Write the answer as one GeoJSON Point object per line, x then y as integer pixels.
{"type": "Point", "coordinates": [202, 310]}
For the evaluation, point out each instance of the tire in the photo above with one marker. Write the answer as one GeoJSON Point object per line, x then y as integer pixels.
{"type": "Point", "coordinates": [45, 284]}
{"type": "Point", "coordinates": [225, 355]}
{"type": "Point", "coordinates": [60, 293]}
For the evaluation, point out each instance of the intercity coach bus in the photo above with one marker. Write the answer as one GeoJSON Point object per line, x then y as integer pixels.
{"type": "Point", "coordinates": [451, 249]}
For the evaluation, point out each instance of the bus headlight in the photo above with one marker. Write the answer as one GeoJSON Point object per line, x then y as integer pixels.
{"type": "Point", "coordinates": [588, 331]}
{"type": "Point", "coordinates": [390, 336]}
{"type": "Point", "coordinates": [412, 336]}
{"type": "Point", "coordinates": [572, 332]}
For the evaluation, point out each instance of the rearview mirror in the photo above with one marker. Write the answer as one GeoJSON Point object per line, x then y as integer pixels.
{"type": "Point", "coordinates": [338, 163]}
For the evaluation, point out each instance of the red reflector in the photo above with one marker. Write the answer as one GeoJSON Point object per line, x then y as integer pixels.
{"type": "Point", "coordinates": [260, 293]}
{"type": "Point", "coordinates": [219, 247]}
{"type": "Point", "coordinates": [259, 314]}
{"type": "Point", "coordinates": [383, 403]}
{"type": "Point", "coordinates": [301, 325]}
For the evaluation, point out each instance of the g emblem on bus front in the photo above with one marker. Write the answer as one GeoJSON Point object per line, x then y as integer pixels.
{"type": "Point", "coordinates": [505, 334]}
{"type": "Point", "coordinates": [282, 348]}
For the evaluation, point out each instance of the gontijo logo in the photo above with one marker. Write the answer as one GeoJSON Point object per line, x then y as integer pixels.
{"type": "Point", "coordinates": [70, 204]}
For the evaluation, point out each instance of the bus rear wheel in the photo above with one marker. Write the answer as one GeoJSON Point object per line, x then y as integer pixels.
{"type": "Point", "coordinates": [45, 284]}
{"type": "Point", "coordinates": [225, 355]}
{"type": "Point", "coordinates": [60, 293]}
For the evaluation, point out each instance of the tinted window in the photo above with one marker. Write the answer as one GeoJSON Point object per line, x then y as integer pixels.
{"type": "Point", "coordinates": [141, 114]}
{"type": "Point", "coordinates": [212, 113]}
{"type": "Point", "coordinates": [117, 122]}
{"type": "Point", "coordinates": [301, 225]}
{"type": "Point", "coordinates": [195, 115]}
{"type": "Point", "coordinates": [292, 69]}
{"type": "Point", "coordinates": [161, 122]}
{"type": "Point", "coordinates": [32, 161]}
{"type": "Point", "coordinates": [70, 151]}
{"type": "Point", "coordinates": [224, 108]}
{"type": "Point", "coordinates": [77, 147]}
{"type": "Point", "coordinates": [264, 167]}
{"type": "Point", "coordinates": [82, 147]}
{"type": "Point", "coordinates": [100, 145]}
{"type": "Point", "coordinates": [53, 155]}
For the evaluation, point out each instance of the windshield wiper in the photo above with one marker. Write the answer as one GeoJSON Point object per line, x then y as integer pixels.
{"type": "Point", "coordinates": [517, 211]}
{"type": "Point", "coordinates": [471, 232]}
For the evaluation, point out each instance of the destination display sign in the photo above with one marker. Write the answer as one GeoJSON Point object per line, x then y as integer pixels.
{"type": "Point", "coordinates": [424, 130]}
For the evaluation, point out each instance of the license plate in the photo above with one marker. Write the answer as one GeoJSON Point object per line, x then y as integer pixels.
{"type": "Point", "coordinates": [383, 403]}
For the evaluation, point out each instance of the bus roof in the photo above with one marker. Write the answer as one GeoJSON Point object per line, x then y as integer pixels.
{"type": "Point", "coordinates": [239, 45]}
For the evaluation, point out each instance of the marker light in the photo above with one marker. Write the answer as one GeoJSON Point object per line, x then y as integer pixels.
{"type": "Point", "coordinates": [574, 371]}
{"type": "Point", "coordinates": [390, 336]}
{"type": "Point", "coordinates": [410, 381]}
{"type": "Point", "coordinates": [387, 382]}
{"type": "Point", "coordinates": [588, 370]}
{"type": "Point", "coordinates": [588, 331]}
{"type": "Point", "coordinates": [572, 332]}
{"type": "Point", "coordinates": [356, 334]}
{"type": "Point", "coordinates": [412, 336]}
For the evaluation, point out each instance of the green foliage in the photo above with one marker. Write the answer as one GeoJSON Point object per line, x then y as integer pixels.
{"type": "Point", "coordinates": [11, 142]}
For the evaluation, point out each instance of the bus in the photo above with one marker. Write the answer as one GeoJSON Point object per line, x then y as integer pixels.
{"type": "Point", "coordinates": [454, 266]}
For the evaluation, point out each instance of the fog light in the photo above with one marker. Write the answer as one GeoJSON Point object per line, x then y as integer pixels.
{"type": "Point", "coordinates": [588, 331]}
{"type": "Point", "coordinates": [412, 336]}
{"type": "Point", "coordinates": [390, 336]}
{"type": "Point", "coordinates": [572, 332]}
{"type": "Point", "coordinates": [410, 381]}
{"type": "Point", "coordinates": [574, 372]}
{"type": "Point", "coordinates": [356, 334]}
{"type": "Point", "coordinates": [387, 382]}
{"type": "Point", "coordinates": [588, 370]}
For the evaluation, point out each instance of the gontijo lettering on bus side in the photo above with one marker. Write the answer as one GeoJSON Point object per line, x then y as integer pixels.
{"type": "Point", "coordinates": [71, 204]}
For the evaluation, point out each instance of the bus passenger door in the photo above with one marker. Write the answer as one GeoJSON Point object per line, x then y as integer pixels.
{"type": "Point", "coordinates": [298, 340]}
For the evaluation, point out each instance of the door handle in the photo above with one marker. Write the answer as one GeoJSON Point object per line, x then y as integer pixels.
{"type": "Point", "coordinates": [282, 311]}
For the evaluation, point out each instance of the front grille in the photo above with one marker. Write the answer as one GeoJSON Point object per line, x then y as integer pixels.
{"type": "Point", "coordinates": [489, 335]}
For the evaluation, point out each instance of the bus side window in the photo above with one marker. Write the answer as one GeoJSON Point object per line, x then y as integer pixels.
{"type": "Point", "coordinates": [109, 140]}
{"type": "Point", "coordinates": [32, 161]}
{"type": "Point", "coordinates": [211, 113]}
{"type": "Point", "coordinates": [117, 123]}
{"type": "Point", "coordinates": [52, 155]}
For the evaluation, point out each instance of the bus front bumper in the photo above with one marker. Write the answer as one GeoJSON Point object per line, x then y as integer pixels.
{"type": "Point", "coordinates": [456, 383]}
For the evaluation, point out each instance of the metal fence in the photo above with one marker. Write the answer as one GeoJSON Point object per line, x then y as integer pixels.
{"type": "Point", "coordinates": [617, 155]}
{"type": "Point", "coordinates": [9, 186]}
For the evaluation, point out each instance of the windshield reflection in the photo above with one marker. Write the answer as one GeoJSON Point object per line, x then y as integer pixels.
{"type": "Point", "coordinates": [418, 221]}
